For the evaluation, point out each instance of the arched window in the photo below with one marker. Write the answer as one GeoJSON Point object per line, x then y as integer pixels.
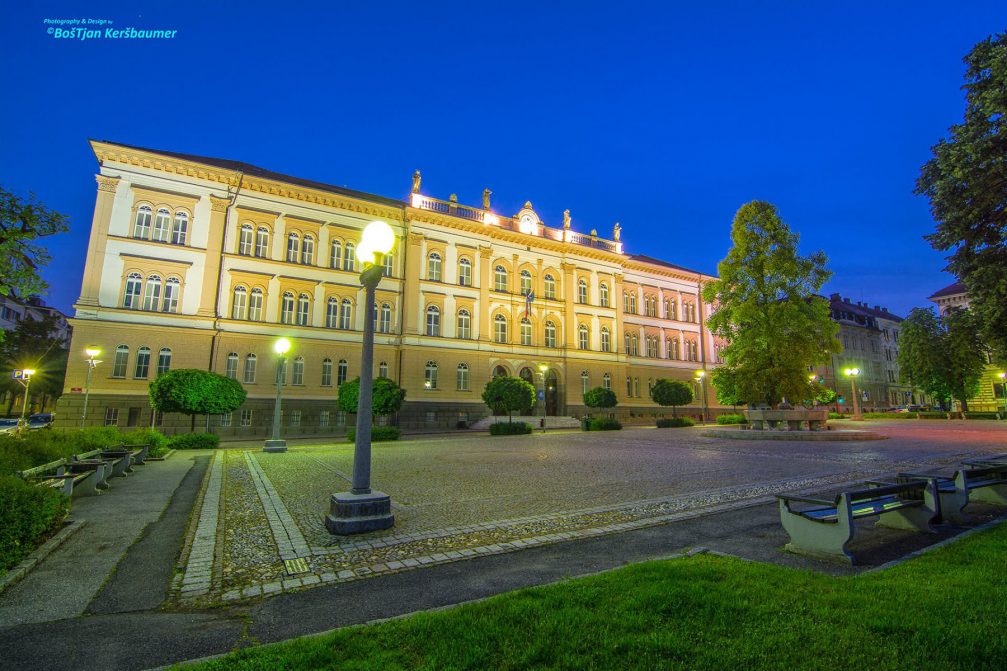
{"type": "Point", "coordinates": [430, 375]}
{"type": "Point", "coordinates": [550, 286]}
{"type": "Point", "coordinates": [433, 321]}
{"type": "Point", "coordinates": [582, 337]}
{"type": "Point", "coordinates": [606, 381]}
{"type": "Point", "coordinates": [262, 242]}
{"type": "Point", "coordinates": [673, 309]}
{"type": "Point", "coordinates": [625, 301]}
{"type": "Point", "coordinates": [326, 372]}
{"type": "Point", "coordinates": [255, 305]}
{"type": "Point", "coordinates": [346, 315]}
{"type": "Point", "coordinates": [434, 267]}
{"type": "Point", "coordinates": [293, 247]}
{"type": "Point", "coordinates": [525, 282]}
{"type": "Point", "coordinates": [673, 350]}
{"type": "Point", "coordinates": [172, 288]}
{"type": "Point", "coordinates": [162, 222]}
{"type": "Point", "coordinates": [603, 295]}
{"type": "Point", "coordinates": [164, 360]}
{"type": "Point", "coordinates": [231, 367]}
{"type": "Point", "coordinates": [465, 272]}
{"type": "Point", "coordinates": [308, 251]}
{"type": "Point", "coordinates": [342, 370]}
{"type": "Point", "coordinates": [180, 228]}
{"type": "Point", "coordinates": [141, 227]}
{"type": "Point", "coordinates": [464, 330]}
{"type": "Point", "coordinates": [606, 340]}
{"type": "Point", "coordinates": [152, 293]}
{"type": "Point", "coordinates": [336, 255]}
{"type": "Point", "coordinates": [585, 382]}
{"type": "Point", "coordinates": [385, 323]}
{"type": "Point", "coordinates": [582, 292]}
{"type": "Point", "coordinates": [349, 259]}
{"type": "Point", "coordinates": [383, 369]}
{"type": "Point", "coordinates": [500, 279]}
{"type": "Point", "coordinates": [287, 308]}
{"type": "Point", "coordinates": [629, 386]}
{"type": "Point", "coordinates": [142, 367]}
{"type": "Point", "coordinates": [332, 313]}
{"type": "Point", "coordinates": [525, 331]}
{"type": "Point", "coordinates": [550, 334]}
{"type": "Point", "coordinates": [463, 377]}
{"type": "Point", "coordinates": [251, 363]}
{"type": "Point", "coordinates": [245, 240]}
{"type": "Point", "coordinates": [303, 309]}
{"type": "Point", "coordinates": [120, 361]}
{"type": "Point", "coordinates": [632, 303]}
{"type": "Point", "coordinates": [500, 329]}
{"type": "Point", "coordinates": [298, 376]}
{"type": "Point", "coordinates": [131, 298]}
{"type": "Point", "coordinates": [636, 344]}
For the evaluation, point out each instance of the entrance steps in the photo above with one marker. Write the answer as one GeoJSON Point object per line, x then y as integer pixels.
{"type": "Point", "coordinates": [535, 421]}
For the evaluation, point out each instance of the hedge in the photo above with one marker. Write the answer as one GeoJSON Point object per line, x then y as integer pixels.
{"type": "Point", "coordinates": [604, 424]}
{"type": "Point", "coordinates": [731, 419]}
{"type": "Point", "coordinates": [40, 447]}
{"type": "Point", "coordinates": [509, 428]}
{"type": "Point", "coordinates": [678, 422]}
{"type": "Point", "coordinates": [379, 434]}
{"type": "Point", "coordinates": [27, 513]}
{"type": "Point", "coordinates": [193, 441]}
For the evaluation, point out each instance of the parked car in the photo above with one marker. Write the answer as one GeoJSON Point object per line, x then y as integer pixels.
{"type": "Point", "coordinates": [42, 420]}
{"type": "Point", "coordinates": [8, 425]}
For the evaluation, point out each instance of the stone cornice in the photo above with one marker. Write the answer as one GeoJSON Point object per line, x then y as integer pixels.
{"type": "Point", "coordinates": [106, 183]}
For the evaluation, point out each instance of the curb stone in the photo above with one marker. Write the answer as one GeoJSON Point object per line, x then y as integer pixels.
{"type": "Point", "coordinates": [26, 565]}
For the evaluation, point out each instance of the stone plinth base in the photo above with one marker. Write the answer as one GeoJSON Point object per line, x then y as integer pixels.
{"type": "Point", "coordinates": [787, 420]}
{"type": "Point", "coordinates": [275, 446]}
{"type": "Point", "coordinates": [359, 513]}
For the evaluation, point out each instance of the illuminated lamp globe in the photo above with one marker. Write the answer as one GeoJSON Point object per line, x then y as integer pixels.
{"type": "Point", "coordinates": [92, 352]}
{"type": "Point", "coordinates": [365, 253]}
{"type": "Point", "coordinates": [379, 237]}
{"type": "Point", "coordinates": [281, 346]}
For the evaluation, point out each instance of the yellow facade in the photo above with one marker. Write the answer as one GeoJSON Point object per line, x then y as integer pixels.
{"type": "Point", "coordinates": [203, 263]}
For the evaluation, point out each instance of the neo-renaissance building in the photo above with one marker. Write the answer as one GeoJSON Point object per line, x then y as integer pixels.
{"type": "Point", "coordinates": [198, 262]}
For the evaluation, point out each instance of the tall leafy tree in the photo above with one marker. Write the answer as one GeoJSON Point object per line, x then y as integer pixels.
{"type": "Point", "coordinates": [192, 392]}
{"type": "Point", "coordinates": [768, 311]}
{"type": "Point", "coordinates": [22, 223]}
{"type": "Point", "coordinates": [966, 182]}
{"type": "Point", "coordinates": [672, 393]}
{"type": "Point", "coordinates": [943, 356]}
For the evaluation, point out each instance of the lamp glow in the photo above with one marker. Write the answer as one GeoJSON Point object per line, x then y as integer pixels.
{"type": "Point", "coordinates": [28, 372]}
{"type": "Point", "coordinates": [92, 351]}
{"type": "Point", "coordinates": [365, 254]}
{"type": "Point", "coordinates": [542, 367]}
{"type": "Point", "coordinates": [281, 346]}
{"type": "Point", "coordinates": [700, 374]}
{"type": "Point", "coordinates": [379, 237]}
{"type": "Point", "coordinates": [852, 371]}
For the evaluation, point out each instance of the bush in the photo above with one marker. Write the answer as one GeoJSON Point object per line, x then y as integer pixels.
{"type": "Point", "coordinates": [27, 513]}
{"type": "Point", "coordinates": [509, 429]}
{"type": "Point", "coordinates": [981, 415]}
{"type": "Point", "coordinates": [836, 415]}
{"type": "Point", "coordinates": [678, 422]}
{"type": "Point", "coordinates": [731, 419]}
{"type": "Point", "coordinates": [158, 441]}
{"type": "Point", "coordinates": [604, 424]}
{"type": "Point", "coordinates": [194, 441]}
{"type": "Point", "coordinates": [379, 434]}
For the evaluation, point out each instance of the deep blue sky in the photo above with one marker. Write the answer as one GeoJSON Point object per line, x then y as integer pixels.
{"type": "Point", "coordinates": [664, 117]}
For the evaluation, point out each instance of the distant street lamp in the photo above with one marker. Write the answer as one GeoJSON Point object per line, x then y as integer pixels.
{"type": "Point", "coordinates": [23, 376]}
{"type": "Point", "coordinates": [91, 353]}
{"type": "Point", "coordinates": [277, 444]}
{"type": "Point", "coordinates": [701, 378]}
{"type": "Point", "coordinates": [361, 510]}
{"type": "Point", "coordinates": [543, 368]}
{"type": "Point", "coordinates": [852, 373]}
{"type": "Point", "coordinates": [1003, 390]}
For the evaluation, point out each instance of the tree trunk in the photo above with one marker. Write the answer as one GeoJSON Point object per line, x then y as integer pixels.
{"type": "Point", "coordinates": [192, 426]}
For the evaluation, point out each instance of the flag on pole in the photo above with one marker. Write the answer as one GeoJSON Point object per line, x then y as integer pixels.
{"type": "Point", "coordinates": [528, 298]}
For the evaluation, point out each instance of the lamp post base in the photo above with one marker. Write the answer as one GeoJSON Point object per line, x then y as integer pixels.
{"type": "Point", "coordinates": [359, 513]}
{"type": "Point", "coordinates": [275, 446]}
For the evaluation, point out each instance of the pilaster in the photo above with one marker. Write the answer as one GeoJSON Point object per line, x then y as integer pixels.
{"type": "Point", "coordinates": [484, 293]}
{"type": "Point", "coordinates": [211, 261]}
{"type": "Point", "coordinates": [414, 257]}
{"type": "Point", "coordinates": [98, 240]}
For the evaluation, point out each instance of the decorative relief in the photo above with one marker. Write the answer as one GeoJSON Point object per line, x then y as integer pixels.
{"type": "Point", "coordinates": [218, 204]}
{"type": "Point", "coordinates": [109, 184]}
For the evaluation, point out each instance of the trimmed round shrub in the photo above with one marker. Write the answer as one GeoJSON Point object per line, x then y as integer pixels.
{"type": "Point", "coordinates": [158, 441]}
{"type": "Point", "coordinates": [379, 434]}
{"type": "Point", "coordinates": [27, 513]}
{"type": "Point", "coordinates": [674, 422]}
{"type": "Point", "coordinates": [731, 419]}
{"type": "Point", "coordinates": [194, 441]}
{"type": "Point", "coordinates": [604, 424]}
{"type": "Point", "coordinates": [509, 429]}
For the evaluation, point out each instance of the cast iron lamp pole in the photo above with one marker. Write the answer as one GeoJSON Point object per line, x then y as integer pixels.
{"type": "Point", "coordinates": [701, 378]}
{"type": "Point", "coordinates": [91, 353]}
{"type": "Point", "coordinates": [24, 377]}
{"type": "Point", "coordinates": [361, 510]}
{"type": "Point", "coordinates": [543, 370]}
{"type": "Point", "coordinates": [277, 444]}
{"type": "Point", "coordinates": [852, 373]}
{"type": "Point", "coordinates": [1003, 390]}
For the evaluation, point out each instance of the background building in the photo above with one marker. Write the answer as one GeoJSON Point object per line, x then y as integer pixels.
{"type": "Point", "coordinates": [196, 262]}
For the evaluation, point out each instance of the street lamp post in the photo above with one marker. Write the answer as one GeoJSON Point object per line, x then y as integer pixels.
{"type": "Point", "coordinates": [91, 352]}
{"type": "Point", "coordinates": [852, 373]}
{"type": "Point", "coordinates": [361, 509]}
{"type": "Point", "coordinates": [277, 444]}
{"type": "Point", "coordinates": [701, 378]}
{"type": "Point", "coordinates": [23, 376]}
{"type": "Point", "coordinates": [543, 369]}
{"type": "Point", "coordinates": [1003, 390]}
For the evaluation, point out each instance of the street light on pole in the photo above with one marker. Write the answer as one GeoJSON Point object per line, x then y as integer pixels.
{"type": "Point", "coordinates": [91, 353]}
{"type": "Point", "coordinates": [543, 368]}
{"type": "Point", "coordinates": [852, 373]}
{"type": "Point", "coordinates": [701, 378]}
{"type": "Point", "coordinates": [361, 510]}
{"type": "Point", "coordinates": [23, 376]}
{"type": "Point", "coordinates": [277, 444]}
{"type": "Point", "coordinates": [1003, 390]}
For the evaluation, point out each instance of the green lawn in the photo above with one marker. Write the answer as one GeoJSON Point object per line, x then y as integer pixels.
{"type": "Point", "coordinates": [944, 610]}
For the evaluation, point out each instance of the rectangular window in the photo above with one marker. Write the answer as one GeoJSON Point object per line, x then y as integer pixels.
{"type": "Point", "coordinates": [111, 416]}
{"type": "Point", "coordinates": [120, 361]}
{"type": "Point", "coordinates": [295, 418]}
{"type": "Point", "coordinates": [246, 417]}
{"type": "Point", "coordinates": [323, 418]}
{"type": "Point", "coordinates": [463, 379]}
{"type": "Point", "coordinates": [250, 363]}
{"type": "Point", "coordinates": [225, 419]}
{"type": "Point", "coordinates": [431, 417]}
{"type": "Point", "coordinates": [142, 363]}
{"type": "Point", "coordinates": [340, 418]}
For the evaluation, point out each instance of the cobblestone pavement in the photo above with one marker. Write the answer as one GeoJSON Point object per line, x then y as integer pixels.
{"type": "Point", "coordinates": [456, 497]}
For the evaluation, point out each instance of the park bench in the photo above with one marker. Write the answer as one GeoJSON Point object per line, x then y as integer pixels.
{"type": "Point", "coordinates": [822, 528]}
{"type": "Point", "coordinates": [55, 475]}
{"type": "Point", "coordinates": [138, 452]}
{"type": "Point", "coordinates": [118, 465]}
{"type": "Point", "coordinates": [984, 481]}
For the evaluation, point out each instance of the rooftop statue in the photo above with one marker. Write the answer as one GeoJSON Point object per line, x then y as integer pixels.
{"type": "Point", "coordinates": [416, 182]}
